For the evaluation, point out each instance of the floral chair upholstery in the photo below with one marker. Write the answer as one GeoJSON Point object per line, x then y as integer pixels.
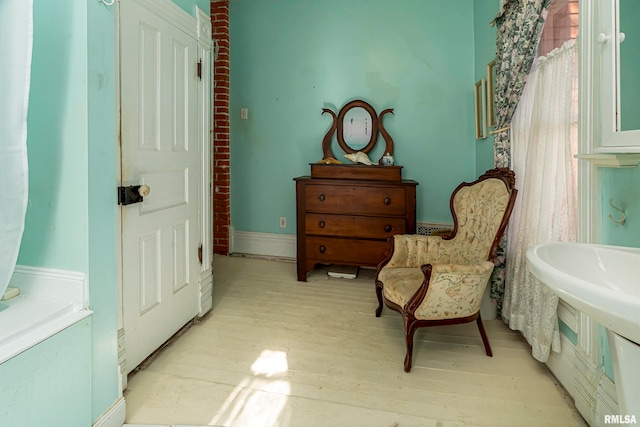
{"type": "Point", "coordinates": [434, 280]}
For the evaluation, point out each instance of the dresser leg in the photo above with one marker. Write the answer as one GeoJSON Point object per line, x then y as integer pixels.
{"type": "Point", "coordinates": [302, 272]}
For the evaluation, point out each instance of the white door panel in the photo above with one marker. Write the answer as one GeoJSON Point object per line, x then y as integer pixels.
{"type": "Point", "coordinates": [172, 187]}
{"type": "Point", "coordinates": [159, 123]}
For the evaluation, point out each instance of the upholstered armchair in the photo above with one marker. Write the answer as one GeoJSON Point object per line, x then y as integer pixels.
{"type": "Point", "coordinates": [433, 280]}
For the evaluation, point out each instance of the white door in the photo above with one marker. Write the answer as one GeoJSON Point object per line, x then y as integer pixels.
{"type": "Point", "coordinates": [159, 125]}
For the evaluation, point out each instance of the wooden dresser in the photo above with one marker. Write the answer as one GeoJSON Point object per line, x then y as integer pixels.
{"type": "Point", "coordinates": [346, 213]}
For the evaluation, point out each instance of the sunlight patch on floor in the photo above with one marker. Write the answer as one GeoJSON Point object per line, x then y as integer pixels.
{"type": "Point", "coordinates": [258, 400]}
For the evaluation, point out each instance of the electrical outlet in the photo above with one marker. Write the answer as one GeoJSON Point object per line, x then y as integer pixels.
{"type": "Point", "coordinates": [244, 113]}
{"type": "Point", "coordinates": [283, 222]}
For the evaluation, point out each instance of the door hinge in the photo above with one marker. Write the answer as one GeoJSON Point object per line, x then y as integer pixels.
{"type": "Point", "coordinates": [200, 69]}
{"type": "Point", "coordinates": [200, 254]}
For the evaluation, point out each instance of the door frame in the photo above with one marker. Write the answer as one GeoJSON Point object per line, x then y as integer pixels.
{"type": "Point", "coordinates": [198, 27]}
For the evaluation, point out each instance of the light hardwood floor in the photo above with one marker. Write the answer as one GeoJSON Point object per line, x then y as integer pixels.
{"type": "Point", "coordinates": [277, 352]}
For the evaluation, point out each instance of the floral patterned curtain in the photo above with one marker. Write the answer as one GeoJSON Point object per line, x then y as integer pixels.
{"type": "Point", "coordinates": [519, 26]}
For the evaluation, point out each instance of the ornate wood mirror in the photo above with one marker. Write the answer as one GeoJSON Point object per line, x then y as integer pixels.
{"type": "Point", "coordinates": [357, 126]}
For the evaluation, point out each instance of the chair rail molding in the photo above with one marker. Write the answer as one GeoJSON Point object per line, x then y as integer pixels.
{"type": "Point", "coordinates": [50, 300]}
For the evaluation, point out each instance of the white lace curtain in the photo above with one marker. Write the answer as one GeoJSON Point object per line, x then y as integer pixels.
{"type": "Point", "coordinates": [544, 139]}
{"type": "Point", "coordinates": [15, 70]}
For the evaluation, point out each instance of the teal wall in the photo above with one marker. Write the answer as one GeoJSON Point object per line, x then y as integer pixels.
{"type": "Point", "coordinates": [291, 58]}
{"type": "Point", "coordinates": [630, 65]}
{"type": "Point", "coordinates": [568, 332]}
{"type": "Point", "coordinates": [623, 185]}
{"type": "Point", "coordinates": [49, 384]}
{"type": "Point", "coordinates": [485, 51]}
{"type": "Point", "coordinates": [190, 5]}
{"type": "Point", "coordinates": [71, 378]}
{"type": "Point", "coordinates": [100, 203]}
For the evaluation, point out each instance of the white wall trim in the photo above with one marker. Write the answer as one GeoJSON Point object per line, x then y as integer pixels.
{"type": "Point", "coordinates": [122, 360]}
{"type": "Point", "coordinates": [205, 42]}
{"type": "Point", "coordinates": [63, 285]}
{"type": "Point", "coordinates": [203, 28]}
{"type": "Point", "coordinates": [562, 365]}
{"type": "Point", "coordinates": [265, 244]}
{"type": "Point", "coordinates": [607, 403]}
{"type": "Point", "coordinates": [568, 315]}
{"type": "Point", "coordinates": [587, 378]}
{"type": "Point", "coordinates": [114, 416]}
{"type": "Point", "coordinates": [589, 135]}
{"type": "Point", "coordinates": [171, 12]}
{"type": "Point", "coordinates": [50, 300]}
{"type": "Point", "coordinates": [206, 292]}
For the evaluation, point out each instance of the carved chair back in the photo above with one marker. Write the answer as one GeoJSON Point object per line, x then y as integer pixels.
{"type": "Point", "coordinates": [481, 211]}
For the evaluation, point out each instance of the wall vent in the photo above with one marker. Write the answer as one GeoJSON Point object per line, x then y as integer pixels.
{"type": "Point", "coordinates": [427, 228]}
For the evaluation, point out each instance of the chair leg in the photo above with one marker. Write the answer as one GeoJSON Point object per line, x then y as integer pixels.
{"type": "Point", "coordinates": [408, 337]}
{"type": "Point", "coordinates": [379, 295]}
{"type": "Point", "coordinates": [485, 339]}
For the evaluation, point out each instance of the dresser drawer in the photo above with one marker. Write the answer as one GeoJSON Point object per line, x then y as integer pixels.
{"type": "Point", "coordinates": [347, 251]}
{"type": "Point", "coordinates": [355, 199]}
{"type": "Point", "coordinates": [348, 221]}
{"type": "Point", "coordinates": [354, 226]}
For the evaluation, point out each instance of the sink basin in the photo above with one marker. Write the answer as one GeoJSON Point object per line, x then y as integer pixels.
{"type": "Point", "coordinates": [604, 283]}
{"type": "Point", "coordinates": [601, 281]}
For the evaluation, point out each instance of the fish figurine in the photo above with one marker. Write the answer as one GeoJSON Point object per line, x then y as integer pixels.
{"type": "Point", "coordinates": [359, 157]}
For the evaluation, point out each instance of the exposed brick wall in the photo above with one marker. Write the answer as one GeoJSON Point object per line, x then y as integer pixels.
{"type": "Point", "coordinates": [221, 177]}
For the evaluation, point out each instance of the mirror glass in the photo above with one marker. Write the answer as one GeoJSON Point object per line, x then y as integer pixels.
{"type": "Point", "coordinates": [629, 73]}
{"type": "Point", "coordinates": [356, 128]}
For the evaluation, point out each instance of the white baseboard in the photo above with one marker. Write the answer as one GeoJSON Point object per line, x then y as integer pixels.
{"type": "Point", "coordinates": [265, 244]}
{"type": "Point", "coordinates": [114, 416]}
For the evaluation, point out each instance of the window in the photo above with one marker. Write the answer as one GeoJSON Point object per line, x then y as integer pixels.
{"type": "Point", "coordinates": [561, 25]}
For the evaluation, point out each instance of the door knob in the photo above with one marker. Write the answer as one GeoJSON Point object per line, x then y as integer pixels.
{"type": "Point", "coordinates": [144, 190]}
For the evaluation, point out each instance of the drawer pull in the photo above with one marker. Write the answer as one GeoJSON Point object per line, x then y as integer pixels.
{"type": "Point", "coordinates": [323, 249]}
{"type": "Point", "coordinates": [387, 201]}
{"type": "Point", "coordinates": [387, 228]}
{"type": "Point", "coordinates": [321, 197]}
{"type": "Point", "coordinates": [321, 224]}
